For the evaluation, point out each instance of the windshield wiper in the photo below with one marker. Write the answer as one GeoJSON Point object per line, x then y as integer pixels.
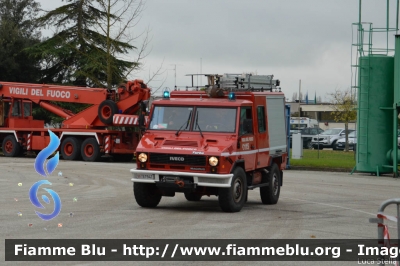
{"type": "Point", "coordinates": [186, 122]}
{"type": "Point", "coordinates": [197, 124]}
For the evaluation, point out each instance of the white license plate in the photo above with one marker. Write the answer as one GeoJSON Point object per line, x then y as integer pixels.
{"type": "Point", "coordinates": [145, 176]}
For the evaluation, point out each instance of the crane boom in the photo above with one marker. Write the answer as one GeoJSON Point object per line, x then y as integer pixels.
{"type": "Point", "coordinates": [42, 92]}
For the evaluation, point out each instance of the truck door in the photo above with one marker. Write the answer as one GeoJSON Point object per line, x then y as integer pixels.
{"type": "Point", "coordinates": [247, 148]}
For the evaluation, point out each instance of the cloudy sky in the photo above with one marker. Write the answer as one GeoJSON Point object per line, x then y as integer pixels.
{"type": "Point", "coordinates": [307, 40]}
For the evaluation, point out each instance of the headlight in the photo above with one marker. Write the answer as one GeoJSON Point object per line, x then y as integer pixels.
{"type": "Point", "coordinates": [213, 161]}
{"type": "Point", "coordinates": [142, 157]}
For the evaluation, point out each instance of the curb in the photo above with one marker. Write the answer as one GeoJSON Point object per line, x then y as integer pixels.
{"type": "Point", "coordinates": [322, 169]}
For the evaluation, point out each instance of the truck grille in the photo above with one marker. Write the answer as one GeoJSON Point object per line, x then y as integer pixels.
{"type": "Point", "coordinates": [164, 158]}
{"type": "Point", "coordinates": [187, 143]}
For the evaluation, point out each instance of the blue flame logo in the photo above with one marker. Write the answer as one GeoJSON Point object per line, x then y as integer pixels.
{"type": "Point", "coordinates": [45, 153]}
{"type": "Point", "coordinates": [40, 164]}
{"type": "Point", "coordinates": [35, 201]}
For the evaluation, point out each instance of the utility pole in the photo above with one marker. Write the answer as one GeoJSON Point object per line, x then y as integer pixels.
{"type": "Point", "coordinates": [175, 76]}
{"type": "Point", "coordinates": [174, 69]}
{"type": "Point", "coordinates": [299, 100]}
{"type": "Point", "coordinates": [201, 76]}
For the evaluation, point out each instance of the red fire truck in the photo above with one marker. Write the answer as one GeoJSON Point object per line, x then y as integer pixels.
{"type": "Point", "coordinates": [224, 141]}
{"type": "Point", "coordinates": [83, 135]}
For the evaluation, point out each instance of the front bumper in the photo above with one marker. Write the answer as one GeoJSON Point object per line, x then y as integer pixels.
{"type": "Point", "coordinates": [321, 143]}
{"type": "Point", "coordinates": [199, 179]}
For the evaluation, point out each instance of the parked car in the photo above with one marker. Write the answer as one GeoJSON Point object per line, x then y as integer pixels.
{"type": "Point", "coordinates": [341, 143]}
{"type": "Point", "coordinates": [306, 136]}
{"type": "Point", "coordinates": [328, 138]}
{"type": "Point", "coordinates": [353, 141]}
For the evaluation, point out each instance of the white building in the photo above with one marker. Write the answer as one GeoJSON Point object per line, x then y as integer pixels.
{"type": "Point", "coordinates": [321, 112]}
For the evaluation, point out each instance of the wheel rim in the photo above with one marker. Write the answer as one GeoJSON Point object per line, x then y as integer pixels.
{"type": "Point", "coordinates": [237, 190]}
{"type": "Point", "coordinates": [106, 112]}
{"type": "Point", "coordinates": [89, 150]}
{"type": "Point", "coordinates": [9, 146]}
{"type": "Point", "coordinates": [68, 149]}
{"type": "Point", "coordinates": [275, 184]}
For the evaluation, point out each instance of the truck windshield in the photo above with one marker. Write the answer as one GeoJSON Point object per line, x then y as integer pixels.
{"type": "Point", "coordinates": [216, 119]}
{"type": "Point", "coordinates": [171, 118]}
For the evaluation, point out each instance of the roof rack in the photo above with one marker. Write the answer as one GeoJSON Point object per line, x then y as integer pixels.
{"type": "Point", "coordinates": [248, 82]}
{"type": "Point", "coordinates": [243, 82]}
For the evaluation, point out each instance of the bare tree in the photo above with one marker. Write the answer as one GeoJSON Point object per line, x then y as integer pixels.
{"type": "Point", "coordinates": [122, 16]}
{"type": "Point", "coordinates": [344, 109]}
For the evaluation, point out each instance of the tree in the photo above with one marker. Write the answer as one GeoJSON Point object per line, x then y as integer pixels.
{"type": "Point", "coordinates": [78, 53]}
{"type": "Point", "coordinates": [120, 18]}
{"type": "Point", "coordinates": [17, 32]}
{"type": "Point", "coordinates": [344, 109]}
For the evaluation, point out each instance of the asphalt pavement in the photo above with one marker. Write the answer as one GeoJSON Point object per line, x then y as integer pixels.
{"type": "Point", "coordinates": [97, 202]}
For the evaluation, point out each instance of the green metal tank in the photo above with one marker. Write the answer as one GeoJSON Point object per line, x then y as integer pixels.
{"type": "Point", "coordinates": [375, 115]}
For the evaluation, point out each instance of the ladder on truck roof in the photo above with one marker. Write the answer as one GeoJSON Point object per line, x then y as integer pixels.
{"type": "Point", "coordinates": [243, 82]}
{"type": "Point", "coordinates": [248, 82]}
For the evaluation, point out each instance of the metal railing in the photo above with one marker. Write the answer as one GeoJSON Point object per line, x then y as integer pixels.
{"type": "Point", "coordinates": [383, 232]}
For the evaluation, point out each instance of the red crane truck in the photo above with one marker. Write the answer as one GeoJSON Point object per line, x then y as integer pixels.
{"type": "Point", "coordinates": [222, 142]}
{"type": "Point", "coordinates": [83, 135]}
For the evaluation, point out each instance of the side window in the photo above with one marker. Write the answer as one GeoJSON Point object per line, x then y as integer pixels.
{"type": "Point", "coordinates": [261, 118]}
{"type": "Point", "coordinates": [27, 109]}
{"type": "Point", "coordinates": [245, 121]}
{"type": "Point", "coordinates": [16, 109]}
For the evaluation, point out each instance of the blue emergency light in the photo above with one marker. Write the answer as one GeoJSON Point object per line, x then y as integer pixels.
{"type": "Point", "coordinates": [166, 95]}
{"type": "Point", "coordinates": [231, 96]}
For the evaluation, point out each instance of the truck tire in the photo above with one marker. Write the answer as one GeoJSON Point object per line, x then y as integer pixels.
{"type": "Point", "coordinates": [232, 199]}
{"type": "Point", "coordinates": [90, 150]}
{"type": "Point", "coordinates": [11, 147]}
{"type": "Point", "coordinates": [107, 110]}
{"type": "Point", "coordinates": [71, 148]}
{"type": "Point", "coordinates": [270, 194]}
{"type": "Point", "coordinates": [146, 195]}
{"type": "Point", "coordinates": [190, 196]}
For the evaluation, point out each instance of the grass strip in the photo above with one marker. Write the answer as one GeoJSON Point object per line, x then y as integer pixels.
{"type": "Point", "coordinates": [325, 159]}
